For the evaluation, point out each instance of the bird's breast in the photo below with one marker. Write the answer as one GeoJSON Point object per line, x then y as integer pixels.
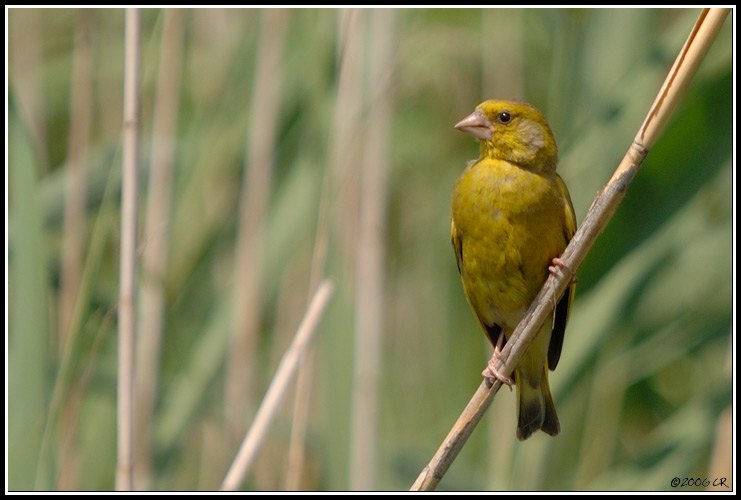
{"type": "Point", "coordinates": [510, 222]}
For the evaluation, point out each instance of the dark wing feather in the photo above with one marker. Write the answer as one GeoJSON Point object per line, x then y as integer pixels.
{"type": "Point", "coordinates": [559, 328]}
{"type": "Point", "coordinates": [564, 305]}
{"type": "Point", "coordinates": [455, 239]}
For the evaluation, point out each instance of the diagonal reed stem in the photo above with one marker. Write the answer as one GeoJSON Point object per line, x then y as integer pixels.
{"type": "Point", "coordinates": [285, 373]}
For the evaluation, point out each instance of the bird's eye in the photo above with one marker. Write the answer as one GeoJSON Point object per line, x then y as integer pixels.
{"type": "Point", "coordinates": [504, 117]}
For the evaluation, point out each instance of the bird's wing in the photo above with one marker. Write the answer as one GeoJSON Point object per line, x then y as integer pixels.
{"type": "Point", "coordinates": [457, 246]}
{"type": "Point", "coordinates": [493, 330]}
{"type": "Point", "coordinates": [564, 305]}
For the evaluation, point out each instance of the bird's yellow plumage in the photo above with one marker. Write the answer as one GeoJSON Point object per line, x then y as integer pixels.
{"type": "Point", "coordinates": [511, 217]}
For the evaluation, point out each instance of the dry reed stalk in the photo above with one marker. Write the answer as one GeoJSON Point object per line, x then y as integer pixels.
{"type": "Point", "coordinates": [260, 142]}
{"type": "Point", "coordinates": [698, 42]}
{"type": "Point", "coordinates": [346, 132]}
{"type": "Point", "coordinates": [156, 232]}
{"type": "Point", "coordinates": [25, 75]}
{"type": "Point", "coordinates": [299, 422]}
{"type": "Point", "coordinates": [81, 105]}
{"type": "Point", "coordinates": [345, 139]}
{"type": "Point", "coordinates": [126, 299]}
{"type": "Point", "coordinates": [73, 235]}
{"type": "Point", "coordinates": [285, 373]}
{"type": "Point", "coordinates": [370, 245]}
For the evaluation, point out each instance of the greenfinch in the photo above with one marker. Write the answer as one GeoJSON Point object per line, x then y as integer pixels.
{"type": "Point", "coordinates": [512, 218]}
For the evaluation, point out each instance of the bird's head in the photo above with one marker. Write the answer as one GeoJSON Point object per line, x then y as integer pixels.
{"type": "Point", "coordinates": [514, 131]}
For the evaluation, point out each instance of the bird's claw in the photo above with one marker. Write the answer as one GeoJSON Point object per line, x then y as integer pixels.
{"type": "Point", "coordinates": [559, 264]}
{"type": "Point", "coordinates": [491, 373]}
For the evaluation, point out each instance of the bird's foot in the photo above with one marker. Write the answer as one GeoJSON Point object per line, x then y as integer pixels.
{"type": "Point", "coordinates": [559, 264]}
{"type": "Point", "coordinates": [491, 373]}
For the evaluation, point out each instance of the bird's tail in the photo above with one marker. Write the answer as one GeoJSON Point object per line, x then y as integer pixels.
{"type": "Point", "coordinates": [536, 408]}
{"type": "Point", "coordinates": [535, 403]}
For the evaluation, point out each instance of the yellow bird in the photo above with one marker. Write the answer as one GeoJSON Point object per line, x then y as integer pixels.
{"type": "Point", "coordinates": [512, 218]}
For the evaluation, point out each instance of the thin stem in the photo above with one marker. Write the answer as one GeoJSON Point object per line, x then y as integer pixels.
{"type": "Point", "coordinates": [74, 203]}
{"type": "Point", "coordinates": [248, 283]}
{"type": "Point", "coordinates": [154, 257]}
{"type": "Point", "coordinates": [126, 304]}
{"type": "Point", "coordinates": [283, 376]}
{"type": "Point", "coordinates": [74, 239]}
{"type": "Point", "coordinates": [369, 282]}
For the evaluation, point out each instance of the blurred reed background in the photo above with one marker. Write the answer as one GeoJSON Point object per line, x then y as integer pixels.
{"type": "Point", "coordinates": [279, 147]}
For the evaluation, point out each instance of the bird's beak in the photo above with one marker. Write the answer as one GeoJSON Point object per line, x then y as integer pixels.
{"type": "Point", "coordinates": [476, 124]}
